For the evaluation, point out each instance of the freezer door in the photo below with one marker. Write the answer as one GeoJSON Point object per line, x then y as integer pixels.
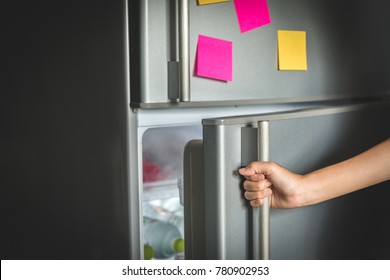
{"type": "Point", "coordinates": [351, 227]}
{"type": "Point", "coordinates": [346, 53]}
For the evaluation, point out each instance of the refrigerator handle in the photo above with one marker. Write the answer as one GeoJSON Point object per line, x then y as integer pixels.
{"type": "Point", "coordinates": [264, 221]}
{"type": "Point", "coordinates": [184, 51]}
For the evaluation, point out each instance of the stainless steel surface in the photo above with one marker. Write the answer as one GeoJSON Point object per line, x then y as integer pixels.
{"type": "Point", "coordinates": [215, 202]}
{"type": "Point", "coordinates": [264, 211]}
{"type": "Point", "coordinates": [143, 41]}
{"type": "Point", "coordinates": [173, 80]}
{"type": "Point", "coordinates": [194, 201]}
{"type": "Point", "coordinates": [134, 192]}
{"type": "Point", "coordinates": [151, 36]}
{"type": "Point", "coordinates": [301, 113]}
{"type": "Point", "coordinates": [265, 101]}
{"type": "Point", "coordinates": [346, 53]}
{"type": "Point", "coordinates": [302, 143]}
{"type": "Point", "coordinates": [226, 215]}
{"type": "Point", "coordinates": [184, 51]}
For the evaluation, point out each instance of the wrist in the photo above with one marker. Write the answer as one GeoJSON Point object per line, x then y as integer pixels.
{"type": "Point", "coordinates": [300, 194]}
{"type": "Point", "coordinates": [309, 190]}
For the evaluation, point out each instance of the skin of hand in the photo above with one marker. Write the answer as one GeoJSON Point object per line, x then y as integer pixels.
{"type": "Point", "coordinates": [268, 179]}
{"type": "Point", "coordinates": [289, 190]}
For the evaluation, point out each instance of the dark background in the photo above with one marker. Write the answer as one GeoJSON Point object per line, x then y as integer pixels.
{"type": "Point", "coordinates": [63, 130]}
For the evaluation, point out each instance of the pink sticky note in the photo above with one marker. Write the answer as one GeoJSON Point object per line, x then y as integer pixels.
{"type": "Point", "coordinates": [252, 14]}
{"type": "Point", "coordinates": [214, 58]}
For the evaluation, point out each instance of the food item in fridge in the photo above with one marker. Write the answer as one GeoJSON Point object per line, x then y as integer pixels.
{"type": "Point", "coordinates": [148, 251]}
{"type": "Point", "coordinates": [164, 237]}
{"type": "Point", "coordinates": [152, 172]}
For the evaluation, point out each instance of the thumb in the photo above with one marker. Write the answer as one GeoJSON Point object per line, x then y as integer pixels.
{"type": "Point", "coordinates": [258, 167]}
{"type": "Point", "coordinates": [247, 171]}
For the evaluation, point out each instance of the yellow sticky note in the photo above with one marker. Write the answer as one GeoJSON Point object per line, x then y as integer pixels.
{"type": "Point", "coordinates": [292, 50]}
{"type": "Point", "coordinates": [205, 2]}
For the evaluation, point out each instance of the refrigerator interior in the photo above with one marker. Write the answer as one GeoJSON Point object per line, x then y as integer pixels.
{"type": "Point", "coordinates": [162, 204]}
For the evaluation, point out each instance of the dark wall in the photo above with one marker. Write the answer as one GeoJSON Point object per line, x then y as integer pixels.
{"type": "Point", "coordinates": [63, 131]}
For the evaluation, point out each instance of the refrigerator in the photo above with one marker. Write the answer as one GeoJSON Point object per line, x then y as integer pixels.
{"type": "Point", "coordinates": [347, 73]}
{"type": "Point", "coordinates": [104, 115]}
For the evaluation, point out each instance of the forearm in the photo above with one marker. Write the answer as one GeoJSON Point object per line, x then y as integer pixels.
{"type": "Point", "coordinates": [366, 169]}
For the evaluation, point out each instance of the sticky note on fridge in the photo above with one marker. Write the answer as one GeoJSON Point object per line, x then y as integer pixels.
{"type": "Point", "coordinates": [252, 14]}
{"type": "Point", "coordinates": [205, 2]}
{"type": "Point", "coordinates": [214, 58]}
{"type": "Point", "coordinates": [292, 50]}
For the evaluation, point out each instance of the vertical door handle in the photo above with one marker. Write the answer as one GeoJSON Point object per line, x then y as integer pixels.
{"type": "Point", "coordinates": [264, 221]}
{"type": "Point", "coordinates": [184, 51]}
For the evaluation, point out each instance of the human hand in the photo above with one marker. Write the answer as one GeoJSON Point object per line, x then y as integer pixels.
{"type": "Point", "coordinates": [268, 179]}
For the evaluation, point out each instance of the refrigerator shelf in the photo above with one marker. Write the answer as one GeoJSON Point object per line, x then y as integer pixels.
{"type": "Point", "coordinates": [161, 189]}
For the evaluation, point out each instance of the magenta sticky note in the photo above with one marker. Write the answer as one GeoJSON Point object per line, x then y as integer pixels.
{"type": "Point", "coordinates": [214, 58]}
{"type": "Point", "coordinates": [252, 14]}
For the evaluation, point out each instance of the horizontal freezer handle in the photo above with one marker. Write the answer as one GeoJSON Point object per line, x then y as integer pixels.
{"type": "Point", "coordinates": [299, 113]}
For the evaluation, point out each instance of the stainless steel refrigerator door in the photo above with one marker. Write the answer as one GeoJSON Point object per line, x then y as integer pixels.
{"type": "Point", "coordinates": [346, 53]}
{"type": "Point", "coordinates": [301, 141]}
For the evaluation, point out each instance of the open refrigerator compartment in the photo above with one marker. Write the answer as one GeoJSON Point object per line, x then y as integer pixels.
{"type": "Point", "coordinates": [163, 218]}
{"type": "Point", "coordinates": [163, 211]}
{"type": "Point", "coordinates": [163, 201]}
{"type": "Point", "coordinates": [162, 190]}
